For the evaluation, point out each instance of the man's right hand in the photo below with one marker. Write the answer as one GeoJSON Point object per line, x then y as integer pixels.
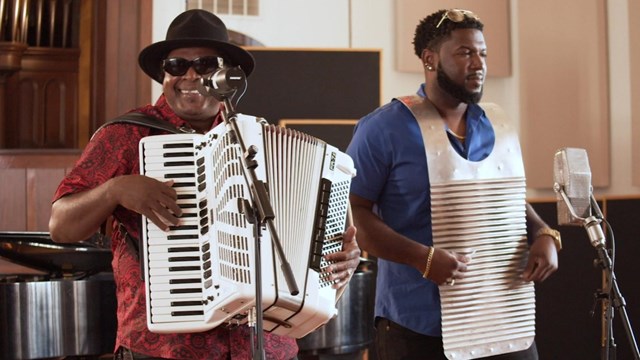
{"type": "Point", "coordinates": [149, 197]}
{"type": "Point", "coordinates": [447, 265]}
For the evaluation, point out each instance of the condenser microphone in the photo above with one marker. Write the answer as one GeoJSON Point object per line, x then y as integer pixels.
{"type": "Point", "coordinates": [572, 184]}
{"type": "Point", "coordinates": [222, 83]}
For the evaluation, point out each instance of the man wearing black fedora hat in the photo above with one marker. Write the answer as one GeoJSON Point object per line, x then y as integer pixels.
{"type": "Point", "coordinates": [106, 184]}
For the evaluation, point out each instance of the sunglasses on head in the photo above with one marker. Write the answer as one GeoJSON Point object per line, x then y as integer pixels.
{"type": "Point", "coordinates": [202, 65]}
{"type": "Point", "coordinates": [457, 15]}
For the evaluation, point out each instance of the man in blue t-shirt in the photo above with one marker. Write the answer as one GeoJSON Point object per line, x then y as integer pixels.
{"type": "Point", "coordinates": [391, 198]}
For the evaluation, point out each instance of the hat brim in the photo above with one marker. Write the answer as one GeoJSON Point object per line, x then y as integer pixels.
{"type": "Point", "coordinates": [150, 58]}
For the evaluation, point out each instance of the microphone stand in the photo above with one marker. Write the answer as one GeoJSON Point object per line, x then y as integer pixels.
{"type": "Point", "coordinates": [259, 212]}
{"type": "Point", "coordinates": [610, 295]}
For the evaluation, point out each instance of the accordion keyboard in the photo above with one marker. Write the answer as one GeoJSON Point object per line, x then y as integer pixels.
{"type": "Point", "coordinates": [174, 257]}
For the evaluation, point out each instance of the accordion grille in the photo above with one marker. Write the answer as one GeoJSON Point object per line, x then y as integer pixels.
{"type": "Point", "coordinates": [338, 203]}
{"type": "Point", "coordinates": [491, 311]}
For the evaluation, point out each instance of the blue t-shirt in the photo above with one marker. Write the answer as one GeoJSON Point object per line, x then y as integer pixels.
{"type": "Point", "coordinates": [389, 156]}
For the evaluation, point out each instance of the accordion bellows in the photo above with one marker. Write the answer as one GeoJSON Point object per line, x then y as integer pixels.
{"type": "Point", "coordinates": [202, 273]}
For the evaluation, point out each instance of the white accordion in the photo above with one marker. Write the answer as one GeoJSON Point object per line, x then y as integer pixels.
{"type": "Point", "coordinates": [201, 273]}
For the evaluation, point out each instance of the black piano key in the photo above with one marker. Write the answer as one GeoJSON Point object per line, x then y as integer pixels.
{"type": "Point", "coordinates": [187, 313]}
{"type": "Point", "coordinates": [177, 145]}
{"type": "Point", "coordinates": [183, 184]}
{"type": "Point", "coordinates": [206, 247]}
{"type": "Point", "coordinates": [178, 175]}
{"type": "Point", "coordinates": [187, 206]}
{"type": "Point", "coordinates": [206, 265]}
{"type": "Point", "coordinates": [184, 281]}
{"type": "Point", "coordinates": [203, 204]}
{"type": "Point", "coordinates": [184, 268]}
{"type": "Point", "coordinates": [183, 249]}
{"type": "Point", "coordinates": [183, 227]}
{"type": "Point", "coordinates": [206, 256]}
{"type": "Point", "coordinates": [207, 274]}
{"type": "Point", "coordinates": [204, 221]}
{"type": "Point", "coordinates": [178, 163]}
{"type": "Point", "coordinates": [186, 303]}
{"type": "Point", "coordinates": [186, 196]}
{"type": "Point", "coordinates": [200, 161]}
{"type": "Point", "coordinates": [204, 230]}
{"type": "Point", "coordinates": [200, 170]}
{"type": "Point", "coordinates": [184, 258]}
{"type": "Point", "coordinates": [185, 291]}
{"type": "Point", "coordinates": [177, 154]}
{"type": "Point", "coordinates": [182, 237]}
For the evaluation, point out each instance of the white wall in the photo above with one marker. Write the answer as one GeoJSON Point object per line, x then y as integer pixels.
{"type": "Point", "coordinates": [370, 24]}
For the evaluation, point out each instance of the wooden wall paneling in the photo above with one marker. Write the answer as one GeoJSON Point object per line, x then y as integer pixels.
{"type": "Point", "coordinates": [494, 14]}
{"type": "Point", "coordinates": [98, 62]}
{"type": "Point", "coordinates": [86, 23]}
{"type": "Point", "coordinates": [145, 35]}
{"type": "Point", "coordinates": [128, 30]}
{"type": "Point", "coordinates": [30, 179]}
{"type": "Point", "coordinates": [13, 194]}
{"type": "Point", "coordinates": [634, 53]}
{"type": "Point", "coordinates": [563, 85]}
{"type": "Point", "coordinates": [43, 111]}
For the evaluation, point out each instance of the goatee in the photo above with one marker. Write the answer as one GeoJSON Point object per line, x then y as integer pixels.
{"type": "Point", "coordinates": [457, 91]}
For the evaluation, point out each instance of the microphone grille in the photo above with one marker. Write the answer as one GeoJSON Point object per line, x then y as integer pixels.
{"type": "Point", "coordinates": [572, 173]}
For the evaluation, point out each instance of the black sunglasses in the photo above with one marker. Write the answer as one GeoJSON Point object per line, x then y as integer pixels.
{"type": "Point", "coordinates": [202, 65]}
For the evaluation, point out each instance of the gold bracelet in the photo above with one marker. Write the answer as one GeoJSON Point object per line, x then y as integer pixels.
{"type": "Point", "coordinates": [429, 258]}
{"type": "Point", "coordinates": [555, 234]}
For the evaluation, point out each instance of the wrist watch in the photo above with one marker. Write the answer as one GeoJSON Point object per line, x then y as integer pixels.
{"type": "Point", "coordinates": [555, 234]}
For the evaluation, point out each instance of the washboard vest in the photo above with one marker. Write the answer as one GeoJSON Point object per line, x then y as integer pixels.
{"type": "Point", "coordinates": [479, 208]}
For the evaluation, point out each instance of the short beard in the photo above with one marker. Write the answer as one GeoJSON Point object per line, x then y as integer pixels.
{"type": "Point", "coordinates": [455, 90]}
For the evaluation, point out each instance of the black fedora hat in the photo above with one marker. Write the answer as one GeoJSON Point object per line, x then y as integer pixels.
{"type": "Point", "coordinates": [194, 28]}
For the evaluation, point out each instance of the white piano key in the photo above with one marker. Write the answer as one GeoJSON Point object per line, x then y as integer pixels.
{"type": "Point", "coordinates": [169, 319]}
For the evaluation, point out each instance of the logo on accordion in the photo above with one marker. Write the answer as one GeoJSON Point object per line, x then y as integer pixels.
{"type": "Point", "coordinates": [332, 163]}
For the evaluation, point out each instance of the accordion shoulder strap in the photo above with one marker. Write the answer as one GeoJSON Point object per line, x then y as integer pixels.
{"type": "Point", "coordinates": [141, 119]}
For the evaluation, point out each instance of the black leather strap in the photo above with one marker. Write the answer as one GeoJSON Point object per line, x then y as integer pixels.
{"type": "Point", "coordinates": [148, 121]}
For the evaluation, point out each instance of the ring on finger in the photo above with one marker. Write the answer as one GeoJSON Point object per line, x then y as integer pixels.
{"type": "Point", "coordinates": [450, 281]}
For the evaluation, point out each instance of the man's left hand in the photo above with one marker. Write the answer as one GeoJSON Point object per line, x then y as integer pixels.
{"type": "Point", "coordinates": [346, 261]}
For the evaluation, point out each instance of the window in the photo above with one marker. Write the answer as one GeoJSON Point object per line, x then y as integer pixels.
{"type": "Point", "coordinates": [227, 7]}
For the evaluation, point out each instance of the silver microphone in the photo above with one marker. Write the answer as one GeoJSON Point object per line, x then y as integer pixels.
{"type": "Point", "coordinates": [572, 184]}
{"type": "Point", "coordinates": [222, 83]}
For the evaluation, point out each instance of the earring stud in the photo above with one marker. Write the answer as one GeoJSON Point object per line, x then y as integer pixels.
{"type": "Point", "coordinates": [429, 67]}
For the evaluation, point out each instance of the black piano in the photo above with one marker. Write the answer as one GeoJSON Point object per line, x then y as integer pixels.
{"type": "Point", "coordinates": [56, 300]}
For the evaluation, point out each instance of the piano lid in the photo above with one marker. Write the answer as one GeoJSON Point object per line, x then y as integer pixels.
{"type": "Point", "coordinates": [36, 250]}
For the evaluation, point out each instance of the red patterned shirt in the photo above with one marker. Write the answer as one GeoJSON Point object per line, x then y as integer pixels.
{"type": "Point", "coordinates": [113, 151]}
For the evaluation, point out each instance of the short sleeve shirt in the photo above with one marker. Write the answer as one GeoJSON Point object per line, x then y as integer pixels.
{"type": "Point", "coordinates": [389, 155]}
{"type": "Point", "coordinates": [112, 152]}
